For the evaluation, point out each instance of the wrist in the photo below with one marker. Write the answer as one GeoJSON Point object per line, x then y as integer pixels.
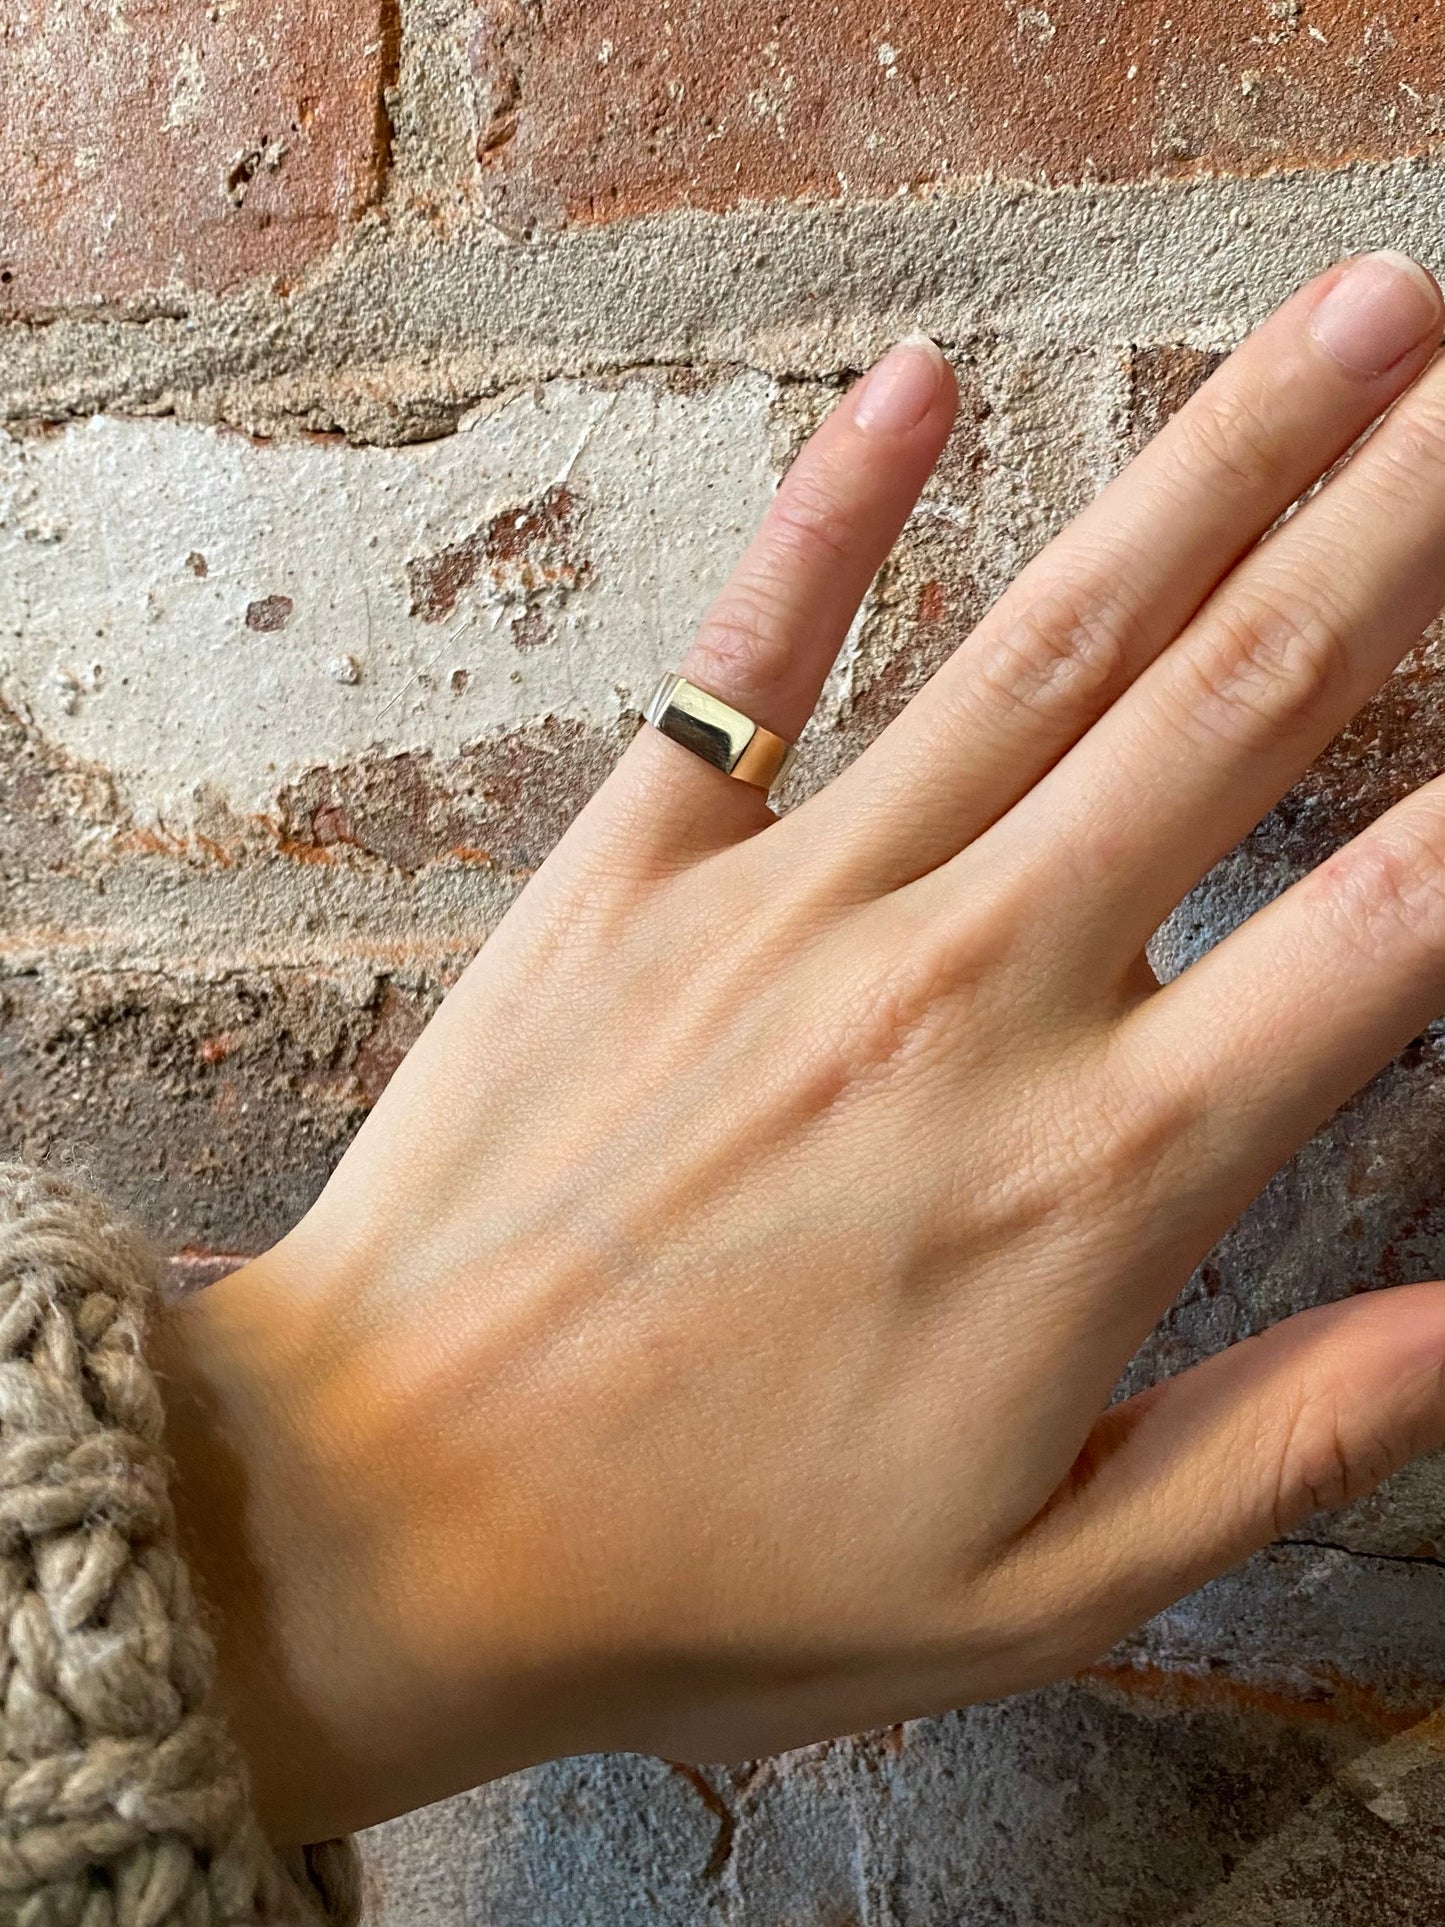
{"type": "Point", "coordinates": [254, 1527]}
{"type": "Point", "coordinates": [331, 1522]}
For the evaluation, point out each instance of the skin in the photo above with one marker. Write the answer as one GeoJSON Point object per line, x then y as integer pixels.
{"type": "Point", "coordinates": [706, 1345]}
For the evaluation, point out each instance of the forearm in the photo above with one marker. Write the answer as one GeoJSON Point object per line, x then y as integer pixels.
{"type": "Point", "coordinates": [119, 1768]}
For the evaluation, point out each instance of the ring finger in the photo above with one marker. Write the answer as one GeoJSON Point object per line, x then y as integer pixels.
{"type": "Point", "coordinates": [1215, 732]}
{"type": "Point", "coordinates": [1100, 603]}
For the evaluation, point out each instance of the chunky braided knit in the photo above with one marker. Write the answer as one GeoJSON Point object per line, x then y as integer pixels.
{"type": "Point", "coordinates": [123, 1803]}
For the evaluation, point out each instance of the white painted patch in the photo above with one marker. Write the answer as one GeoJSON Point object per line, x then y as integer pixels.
{"type": "Point", "coordinates": [188, 92]}
{"type": "Point", "coordinates": [130, 552]}
{"type": "Point", "coordinates": [1035, 22]}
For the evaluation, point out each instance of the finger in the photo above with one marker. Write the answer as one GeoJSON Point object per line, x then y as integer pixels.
{"type": "Point", "coordinates": [1301, 635]}
{"type": "Point", "coordinates": [1096, 606]}
{"type": "Point", "coordinates": [769, 639]}
{"type": "Point", "coordinates": [1269, 1032]}
{"type": "Point", "coordinates": [1186, 1480]}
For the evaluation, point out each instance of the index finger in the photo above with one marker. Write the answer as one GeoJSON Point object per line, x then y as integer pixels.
{"type": "Point", "coordinates": [1285, 1018]}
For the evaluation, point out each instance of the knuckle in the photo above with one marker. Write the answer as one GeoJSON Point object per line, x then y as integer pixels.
{"type": "Point", "coordinates": [1265, 661]}
{"type": "Point", "coordinates": [900, 1020]}
{"type": "Point", "coordinates": [741, 643]}
{"type": "Point", "coordinates": [1065, 649]}
{"type": "Point", "coordinates": [878, 1033]}
{"type": "Point", "coordinates": [1143, 1113]}
{"type": "Point", "coordinates": [1415, 445]}
{"type": "Point", "coordinates": [1321, 1466]}
{"type": "Point", "coordinates": [1390, 882]}
{"type": "Point", "coordinates": [1230, 438]}
{"type": "Point", "coordinates": [808, 524]}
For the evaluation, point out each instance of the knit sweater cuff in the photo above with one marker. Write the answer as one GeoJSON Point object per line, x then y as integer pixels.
{"type": "Point", "coordinates": [123, 1800]}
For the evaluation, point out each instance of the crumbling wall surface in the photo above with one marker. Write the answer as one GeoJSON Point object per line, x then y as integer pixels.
{"type": "Point", "coordinates": [387, 387]}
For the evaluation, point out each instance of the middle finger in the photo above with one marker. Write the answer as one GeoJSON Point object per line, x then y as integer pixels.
{"type": "Point", "coordinates": [1096, 606]}
{"type": "Point", "coordinates": [1295, 641]}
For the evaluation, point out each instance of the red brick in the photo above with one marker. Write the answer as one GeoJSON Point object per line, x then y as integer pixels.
{"type": "Point", "coordinates": [503, 802]}
{"type": "Point", "coordinates": [594, 109]}
{"type": "Point", "coordinates": [1161, 380]}
{"type": "Point", "coordinates": [529, 545]}
{"type": "Point", "coordinates": [158, 143]}
{"type": "Point", "coordinates": [499, 803]}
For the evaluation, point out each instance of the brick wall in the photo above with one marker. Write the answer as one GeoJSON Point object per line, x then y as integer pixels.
{"type": "Point", "coordinates": [387, 389]}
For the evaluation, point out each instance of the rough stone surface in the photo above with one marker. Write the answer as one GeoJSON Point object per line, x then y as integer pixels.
{"type": "Point", "coordinates": [157, 147]}
{"type": "Point", "coordinates": [1305, 1626]}
{"type": "Point", "coordinates": [1371, 1838]}
{"type": "Point", "coordinates": [1076, 1807]}
{"type": "Point", "coordinates": [214, 1107]}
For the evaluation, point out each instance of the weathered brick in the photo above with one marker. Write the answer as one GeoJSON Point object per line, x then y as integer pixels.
{"type": "Point", "coordinates": [503, 802]}
{"type": "Point", "coordinates": [1160, 381]}
{"type": "Point", "coordinates": [214, 1108]}
{"type": "Point", "coordinates": [926, 603]}
{"type": "Point", "coordinates": [49, 801]}
{"type": "Point", "coordinates": [206, 623]}
{"type": "Point", "coordinates": [169, 145]}
{"type": "Point", "coordinates": [593, 111]}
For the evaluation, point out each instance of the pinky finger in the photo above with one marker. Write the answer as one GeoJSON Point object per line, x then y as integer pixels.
{"type": "Point", "coordinates": [768, 641]}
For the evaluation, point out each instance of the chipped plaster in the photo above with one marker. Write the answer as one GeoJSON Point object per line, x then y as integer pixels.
{"type": "Point", "coordinates": [146, 570]}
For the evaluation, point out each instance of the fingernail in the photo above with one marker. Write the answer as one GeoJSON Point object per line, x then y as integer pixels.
{"type": "Point", "coordinates": [898, 391]}
{"type": "Point", "coordinates": [1382, 306]}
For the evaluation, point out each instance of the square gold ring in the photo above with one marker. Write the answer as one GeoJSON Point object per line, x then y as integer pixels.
{"type": "Point", "coordinates": [718, 733]}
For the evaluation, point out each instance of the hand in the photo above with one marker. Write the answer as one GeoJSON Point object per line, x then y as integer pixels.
{"type": "Point", "coordinates": [706, 1345]}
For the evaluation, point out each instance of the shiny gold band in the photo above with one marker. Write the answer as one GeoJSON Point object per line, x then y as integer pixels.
{"type": "Point", "coordinates": [718, 733]}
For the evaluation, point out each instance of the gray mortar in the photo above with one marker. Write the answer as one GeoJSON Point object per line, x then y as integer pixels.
{"type": "Point", "coordinates": [403, 328]}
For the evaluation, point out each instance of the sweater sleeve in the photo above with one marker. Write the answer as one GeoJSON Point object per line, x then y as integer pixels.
{"type": "Point", "coordinates": [123, 1801]}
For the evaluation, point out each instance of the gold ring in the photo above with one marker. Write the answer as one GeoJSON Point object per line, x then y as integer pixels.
{"type": "Point", "coordinates": [718, 733]}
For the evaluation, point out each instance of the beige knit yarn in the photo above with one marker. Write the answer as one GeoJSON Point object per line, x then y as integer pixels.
{"type": "Point", "coordinates": [123, 1803]}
